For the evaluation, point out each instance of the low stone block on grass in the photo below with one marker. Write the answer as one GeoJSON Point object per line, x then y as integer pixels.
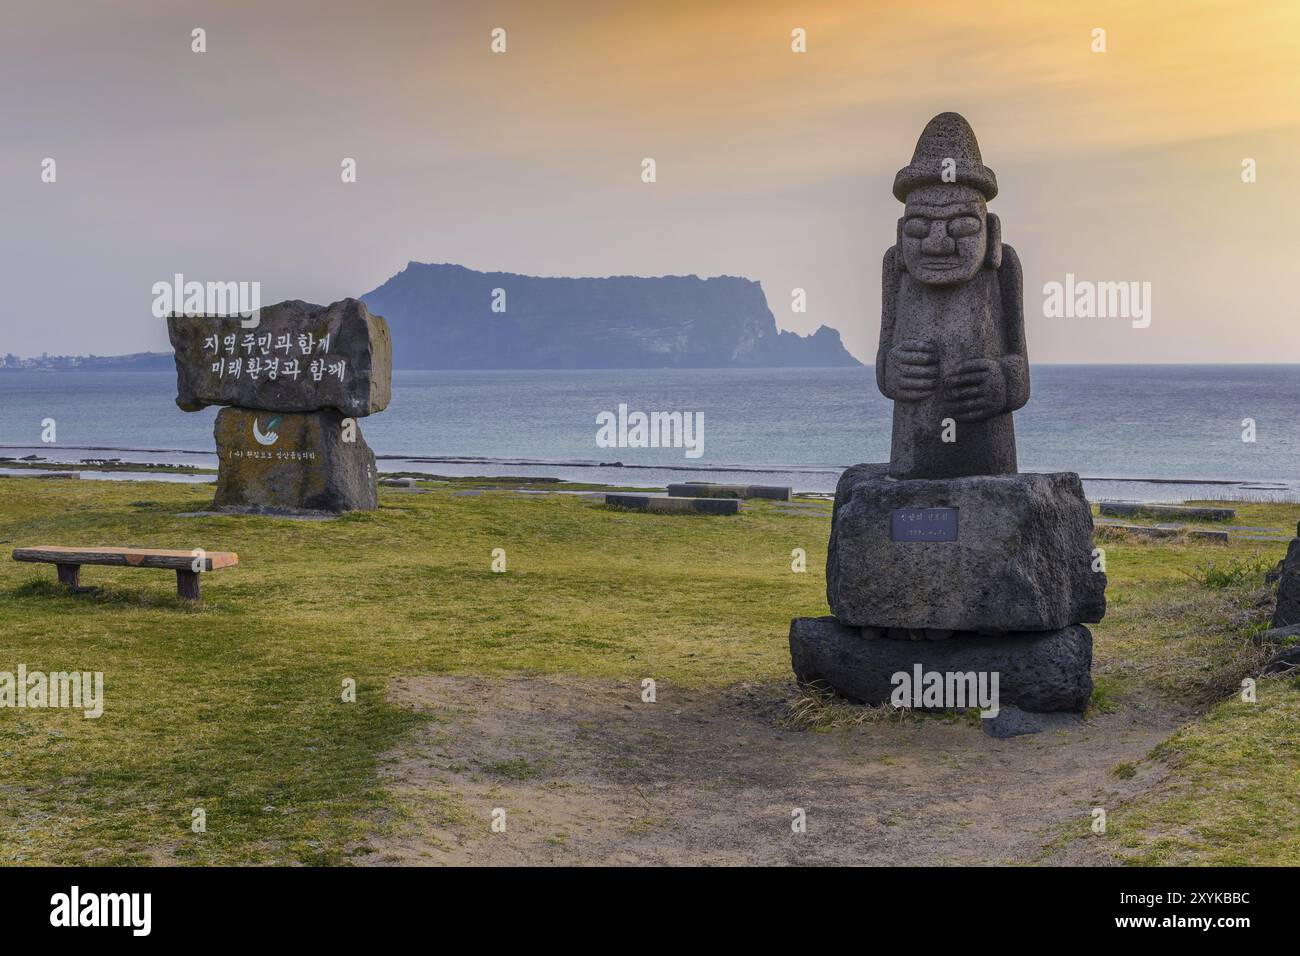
{"type": "Point", "coordinates": [1167, 531]}
{"type": "Point", "coordinates": [1139, 509]}
{"type": "Point", "coordinates": [709, 506]}
{"type": "Point", "coordinates": [710, 489]}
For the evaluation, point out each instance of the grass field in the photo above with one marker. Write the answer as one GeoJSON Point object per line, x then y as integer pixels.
{"type": "Point", "coordinates": [235, 706]}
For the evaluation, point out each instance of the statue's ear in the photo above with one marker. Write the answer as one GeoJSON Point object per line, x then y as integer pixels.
{"type": "Point", "coordinates": [993, 254]}
{"type": "Point", "coordinates": [898, 246]}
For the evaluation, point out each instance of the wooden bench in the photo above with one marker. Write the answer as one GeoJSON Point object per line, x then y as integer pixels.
{"type": "Point", "coordinates": [69, 562]}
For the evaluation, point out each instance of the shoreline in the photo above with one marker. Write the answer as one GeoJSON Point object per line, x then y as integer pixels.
{"type": "Point", "coordinates": [1250, 483]}
{"type": "Point", "coordinates": [104, 463]}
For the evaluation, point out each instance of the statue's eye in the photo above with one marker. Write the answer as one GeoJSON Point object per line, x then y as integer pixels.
{"type": "Point", "coordinates": [963, 226]}
{"type": "Point", "coordinates": [916, 227]}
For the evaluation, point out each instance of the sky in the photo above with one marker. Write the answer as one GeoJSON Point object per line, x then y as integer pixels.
{"type": "Point", "coordinates": [1124, 165]}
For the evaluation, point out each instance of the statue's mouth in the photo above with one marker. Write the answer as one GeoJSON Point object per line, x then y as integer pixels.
{"type": "Point", "coordinates": [941, 263]}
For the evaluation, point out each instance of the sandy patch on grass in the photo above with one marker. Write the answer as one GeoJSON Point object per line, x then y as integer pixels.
{"type": "Point", "coordinates": [588, 774]}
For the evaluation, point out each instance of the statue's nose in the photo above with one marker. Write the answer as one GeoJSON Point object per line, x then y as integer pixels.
{"type": "Point", "coordinates": [938, 242]}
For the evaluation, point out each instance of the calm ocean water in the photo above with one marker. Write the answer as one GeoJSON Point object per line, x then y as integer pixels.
{"type": "Point", "coordinates": [788, 426]}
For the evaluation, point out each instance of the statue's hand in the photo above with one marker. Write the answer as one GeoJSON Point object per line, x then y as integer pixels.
{"type": "Point", "coordinates": [975, 390]}
{"type": "Point", "coordinates": [913, 370]}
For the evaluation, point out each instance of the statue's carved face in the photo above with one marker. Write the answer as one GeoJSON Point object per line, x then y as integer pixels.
{"type": "Point", "coordinates": [944, 236]}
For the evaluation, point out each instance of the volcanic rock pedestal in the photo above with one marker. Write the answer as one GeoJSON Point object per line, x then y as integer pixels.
{"type": "Point", "coordinates": [984, 553]}
{"type": "Point", "coordinates": [947, 562]}
{"type": "Point", "coordinates": [308, 466]}
{"type": "Point", "coordinates": [1037, 670]}
{"type": "Point", "coordinates": [296, 382]}
{"type": "Point", "coordinates": [1287, 612]}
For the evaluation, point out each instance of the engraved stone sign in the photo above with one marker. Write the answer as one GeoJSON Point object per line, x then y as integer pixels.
{"type": "Point", "coordinates": [299, 358]}
{"type": "Point", "coordinates": [923, 524]}
{"type": "Point", "coordinates": [295, 384]}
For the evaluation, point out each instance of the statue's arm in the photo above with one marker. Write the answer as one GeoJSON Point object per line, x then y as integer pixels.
{"type": "Point", "coordinates": [1015, 357]}
{"type": "Point", "coordinates": [888, 305]}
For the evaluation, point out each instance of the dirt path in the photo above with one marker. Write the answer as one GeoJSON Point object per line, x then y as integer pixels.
{"type": "Point", "coordinates": [587, 773]}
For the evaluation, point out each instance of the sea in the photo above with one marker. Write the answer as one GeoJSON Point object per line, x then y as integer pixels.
{"type": "Point", "coordinates": [1133, 432]}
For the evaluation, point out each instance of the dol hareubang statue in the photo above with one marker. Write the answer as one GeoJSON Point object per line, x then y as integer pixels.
{"type": "Point", "coordinates": [952, 329]}
{"type": "Point", "coordinates": [948, 559]}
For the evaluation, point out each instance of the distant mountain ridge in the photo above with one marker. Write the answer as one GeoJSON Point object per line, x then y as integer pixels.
{"type": "Point", "coordinates": [442, 317]}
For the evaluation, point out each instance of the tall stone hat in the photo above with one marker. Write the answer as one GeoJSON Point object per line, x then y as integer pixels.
{"type": "Point", "coordinates": [947, 136]}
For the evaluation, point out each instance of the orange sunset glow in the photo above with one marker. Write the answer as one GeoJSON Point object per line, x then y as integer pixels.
{"type": "Point", "coordinates": [1122, 165]}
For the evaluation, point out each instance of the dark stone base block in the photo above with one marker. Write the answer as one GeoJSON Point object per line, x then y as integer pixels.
{"type": "Point", "coordinates": [283, 462]}
{"type": "Point", "coordinates": [1288, 587]}
{"type": "Point", "coordinates": [1041, 672]}
{"type": "Point", "coordinates": [1011, 553]}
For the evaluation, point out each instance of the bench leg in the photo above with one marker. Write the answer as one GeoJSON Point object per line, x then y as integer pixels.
{"type": "Point", "coordinates": [187, 584]}
{"type": "Point", "coordinates": [70, 574]}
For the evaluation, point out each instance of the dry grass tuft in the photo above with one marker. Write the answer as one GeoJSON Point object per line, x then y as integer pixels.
{"type": "Point", "coordinates": [819, 709]}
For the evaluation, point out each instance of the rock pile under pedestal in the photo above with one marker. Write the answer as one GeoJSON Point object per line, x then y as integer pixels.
{"type": "Point", "coordinates": [295, 385]}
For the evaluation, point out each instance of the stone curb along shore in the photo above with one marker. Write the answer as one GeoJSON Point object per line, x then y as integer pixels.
{"type": "Point", "coordinates": [295, 384]}
{"type": "Point", "coordinates": [947, 563]}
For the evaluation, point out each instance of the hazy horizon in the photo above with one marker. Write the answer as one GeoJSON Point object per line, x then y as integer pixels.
{"type": "Point", "coordinates": [1122, 166]}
